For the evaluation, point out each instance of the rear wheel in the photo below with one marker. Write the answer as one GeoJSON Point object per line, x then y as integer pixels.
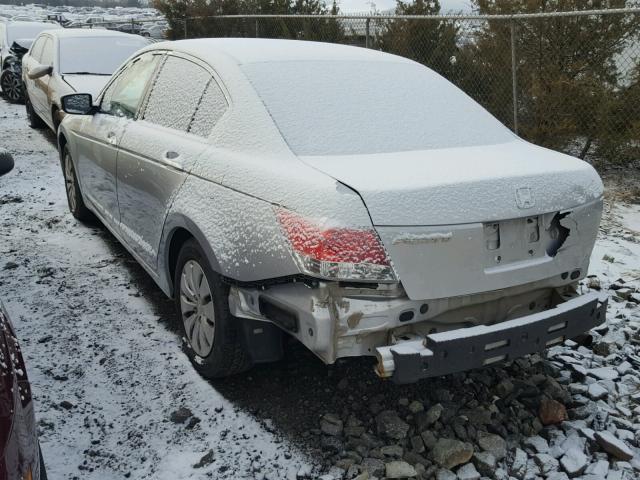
{"type": "Point", "coordinates": [34, 120]}
{"type": "Point", "coordinates": [74, 197]}
{"type": "Point", "coordinates": [213, 338]}
{"type": "Point", "coordinates": [43, 469]}
{"type": "Point", "coordinates": [11, 86]}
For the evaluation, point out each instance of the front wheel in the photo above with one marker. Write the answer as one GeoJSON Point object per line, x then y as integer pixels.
{"type": "Point", "coordinates": [11, 86]}
{"type": "Point", "coordinates": [74, 197]}
{"type": "Point", "coordinates": [34, 120]}
{"type": "Point", "coordinates": [213, 338]}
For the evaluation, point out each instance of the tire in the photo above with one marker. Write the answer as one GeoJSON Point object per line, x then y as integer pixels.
{"type": "Point", "coordinates": [43, 470]}
{"type": "Point", "coordinates": [214, 345]}
{"type": "Point", "coordinates": [55, 118]}
{"type": "Point", "coordinates": [75, 201]}
{"type": "Point", "coordinates": [11, 86]}
{"type": "Point", "coordinates": [32, 117]}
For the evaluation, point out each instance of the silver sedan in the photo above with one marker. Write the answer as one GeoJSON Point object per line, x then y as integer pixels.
{"type": "Point", "coordinates": [352, 199]}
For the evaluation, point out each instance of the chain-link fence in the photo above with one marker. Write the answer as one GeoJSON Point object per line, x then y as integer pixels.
{"type": "Point", "coordinates": [569, 80]}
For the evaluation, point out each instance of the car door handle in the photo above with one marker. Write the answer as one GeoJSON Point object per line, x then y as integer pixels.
{"type": "Point", "coordinates": [111, 138]}
{"type": "Point", "coordinates": [171, 155]}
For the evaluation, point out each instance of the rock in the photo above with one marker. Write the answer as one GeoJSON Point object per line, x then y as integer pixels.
{"type": "Point", "coordinates": [446, 475]}
{"type": "Point", "coordinates": [599, 469]}
{"type": "Point", "coordinates": [493, 444]}
{"type": "Point", "coordinates": [593, 282]}
{"type": "Point", "coordinates": [336, 472]}
{"type": "Point", "coordinates": [391, 451]}
{"type": "Point", "coordinates": [417, 445]}
{"type": "Point", "coordinates": [331, 425]}
{"type": "Point", "coordinates": [416, 406]}
{"type": "Point", "coordinates": [399, 469]}
{"type": "Point", "coordinates": [433, 414]}
{"type": "Point", "coordinates": [207, 459]}
{"type": "Point", "coordinates": [552, 412]}
{"type": "Point", "coordinates": [603, 373]}
{"type": "Point", "coordinates": [574, 462]}
{"type": "Point", "coordinates": [613, 446]}
{"type": "Point", "coordinates": [331, 444]}
{"type": "Point", "coordinates": [450, 453]}
{"type": "Point", "coordinates": [518, 464]}
{"type": "Point", "coordinates": [537, 444]}
{"type": "Point", "coordinates": [374, 466]}
{"type": "Point", "coordinates": [468, 472]}
{"type": "Point", "coordinates": [180, 415]}
{"type": "Point", "coordinates": [546, 463]}
{"type": "Point", "coordinates": [504, 388]}
{"type": "Point", "coordinates": [391, 425]}
{"type": "Point", "coordinates": [429, 439]}
{"type": "Point", "coordinates": [10, 266]}
{"type": "Point", "coordinates": [485, 462]}
{"type": "Point", "coordinates": [557, 476]}
{"type": "Point", "coordinates": [66, 404]}
{"type": "Point", "coordinates": [597, 392]}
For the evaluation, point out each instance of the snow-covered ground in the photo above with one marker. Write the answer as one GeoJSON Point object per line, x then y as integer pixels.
{"type": "Point", "coordinates": [116, 397]}
{"type": "Point", "coordinates": [105, 365]}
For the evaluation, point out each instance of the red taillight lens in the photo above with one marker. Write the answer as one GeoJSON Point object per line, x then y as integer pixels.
{"type": "Point", "coordinates": [336, 252]}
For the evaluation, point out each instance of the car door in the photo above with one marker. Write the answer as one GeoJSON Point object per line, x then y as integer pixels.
{"type": "Point", "coordinates": [159, 149]}
{"type": "Point", "coordinates": [39, 93]}
{"type": "Point", "coordinates": [30, 60]}
{"type": "Point", "coordinates": [99, 138]}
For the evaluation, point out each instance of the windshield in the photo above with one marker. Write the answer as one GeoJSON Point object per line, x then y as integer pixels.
{"type": "Point", "coordinates": [347, 108]}
{"type": "Point", "coordinates": [96, 55]}
{"type": "Point", "coordinates": [16, 31]}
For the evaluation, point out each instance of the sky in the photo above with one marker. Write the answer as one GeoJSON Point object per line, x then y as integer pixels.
{"type": "Point", "coordinates": [448, 6]}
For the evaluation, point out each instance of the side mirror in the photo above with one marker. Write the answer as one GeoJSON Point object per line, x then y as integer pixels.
{"type": "Point", "coordinates": [6, 162]}
{"type": "Point", "coordinates": [78, 104]}
{"type": "Point", "coordinates": [40, 71]}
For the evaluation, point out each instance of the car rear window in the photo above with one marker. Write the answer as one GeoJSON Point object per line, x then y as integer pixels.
{"type": "Point", "coordinates": [96, 55]}
{"type": "Point", "coordinates": [345, 108]}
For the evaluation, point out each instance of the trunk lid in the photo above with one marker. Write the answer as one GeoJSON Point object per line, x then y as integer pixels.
{"type": "Point", "coordinates": [463, 185]}
{"type": "Point", "coordinates": [468, 220]}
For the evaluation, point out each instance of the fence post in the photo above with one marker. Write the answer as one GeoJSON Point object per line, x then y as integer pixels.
{"type": "Point", "coordinates": [514, 78]}
{"type": "Point", "coordinates": [367, 42]}
{"type": "Point", "coordinates": [185, 27]}
{"type": "Point", "coordinates": [257, 35]}
{"type": "Point", "coordinates": [133, 30]}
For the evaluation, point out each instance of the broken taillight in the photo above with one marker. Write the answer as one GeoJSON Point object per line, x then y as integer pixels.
{"type": "Point", "coordinates": [336, 252]}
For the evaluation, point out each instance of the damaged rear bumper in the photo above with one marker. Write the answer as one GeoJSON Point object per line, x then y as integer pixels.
{"type": "Point", "coordinates": [414, 357]}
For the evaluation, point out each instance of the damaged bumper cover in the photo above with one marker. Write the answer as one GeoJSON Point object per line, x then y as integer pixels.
{"type": "Point", "coordinates": [415, 357]}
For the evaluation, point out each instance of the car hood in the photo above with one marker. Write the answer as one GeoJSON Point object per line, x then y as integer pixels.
{"type": "Point", "coordinates": [463, 185]}
{"type": "Point", "coordinates": [87, 83]}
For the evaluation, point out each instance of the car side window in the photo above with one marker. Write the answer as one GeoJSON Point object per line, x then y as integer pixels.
{"type": "Point", "coordinates": [176, 93]}
{"type": "Point", "coordinates": [122, 98]}
{"type": "Point", "coordinates": [212, 106]}
{"type": "Point", "coordinates": [47, 53]}
{"type": "Point", "coordinates": [36, 49]}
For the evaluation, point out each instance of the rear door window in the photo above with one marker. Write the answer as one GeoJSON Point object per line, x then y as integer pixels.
{"type": "Point", "coordinates": [185, 97]}
{"type": "Point", "coordinates": [210, 108]}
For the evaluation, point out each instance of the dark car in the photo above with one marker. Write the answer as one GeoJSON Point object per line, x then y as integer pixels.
{"type": "Point", "coordinates": [20, 457]}
{"type": "Point", "coordinates": [11, 76]}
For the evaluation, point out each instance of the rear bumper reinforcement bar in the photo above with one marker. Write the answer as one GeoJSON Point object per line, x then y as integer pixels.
{"type": "Point", "coordinates": [467, 348]}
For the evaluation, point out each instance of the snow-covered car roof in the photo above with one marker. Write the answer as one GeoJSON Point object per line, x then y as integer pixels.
{"type": "Point", "coordinates": [254, 50]}
{"type": "Point", "coordinates": [84, 33]}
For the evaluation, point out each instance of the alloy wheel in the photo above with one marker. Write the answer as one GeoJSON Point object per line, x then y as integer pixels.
{"type": "Point", "coordinates": [70, 182]}
{"type": "Point", "coordinates": [196, 306]}
{"type": "Point", "coordinates": [11, 87]}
